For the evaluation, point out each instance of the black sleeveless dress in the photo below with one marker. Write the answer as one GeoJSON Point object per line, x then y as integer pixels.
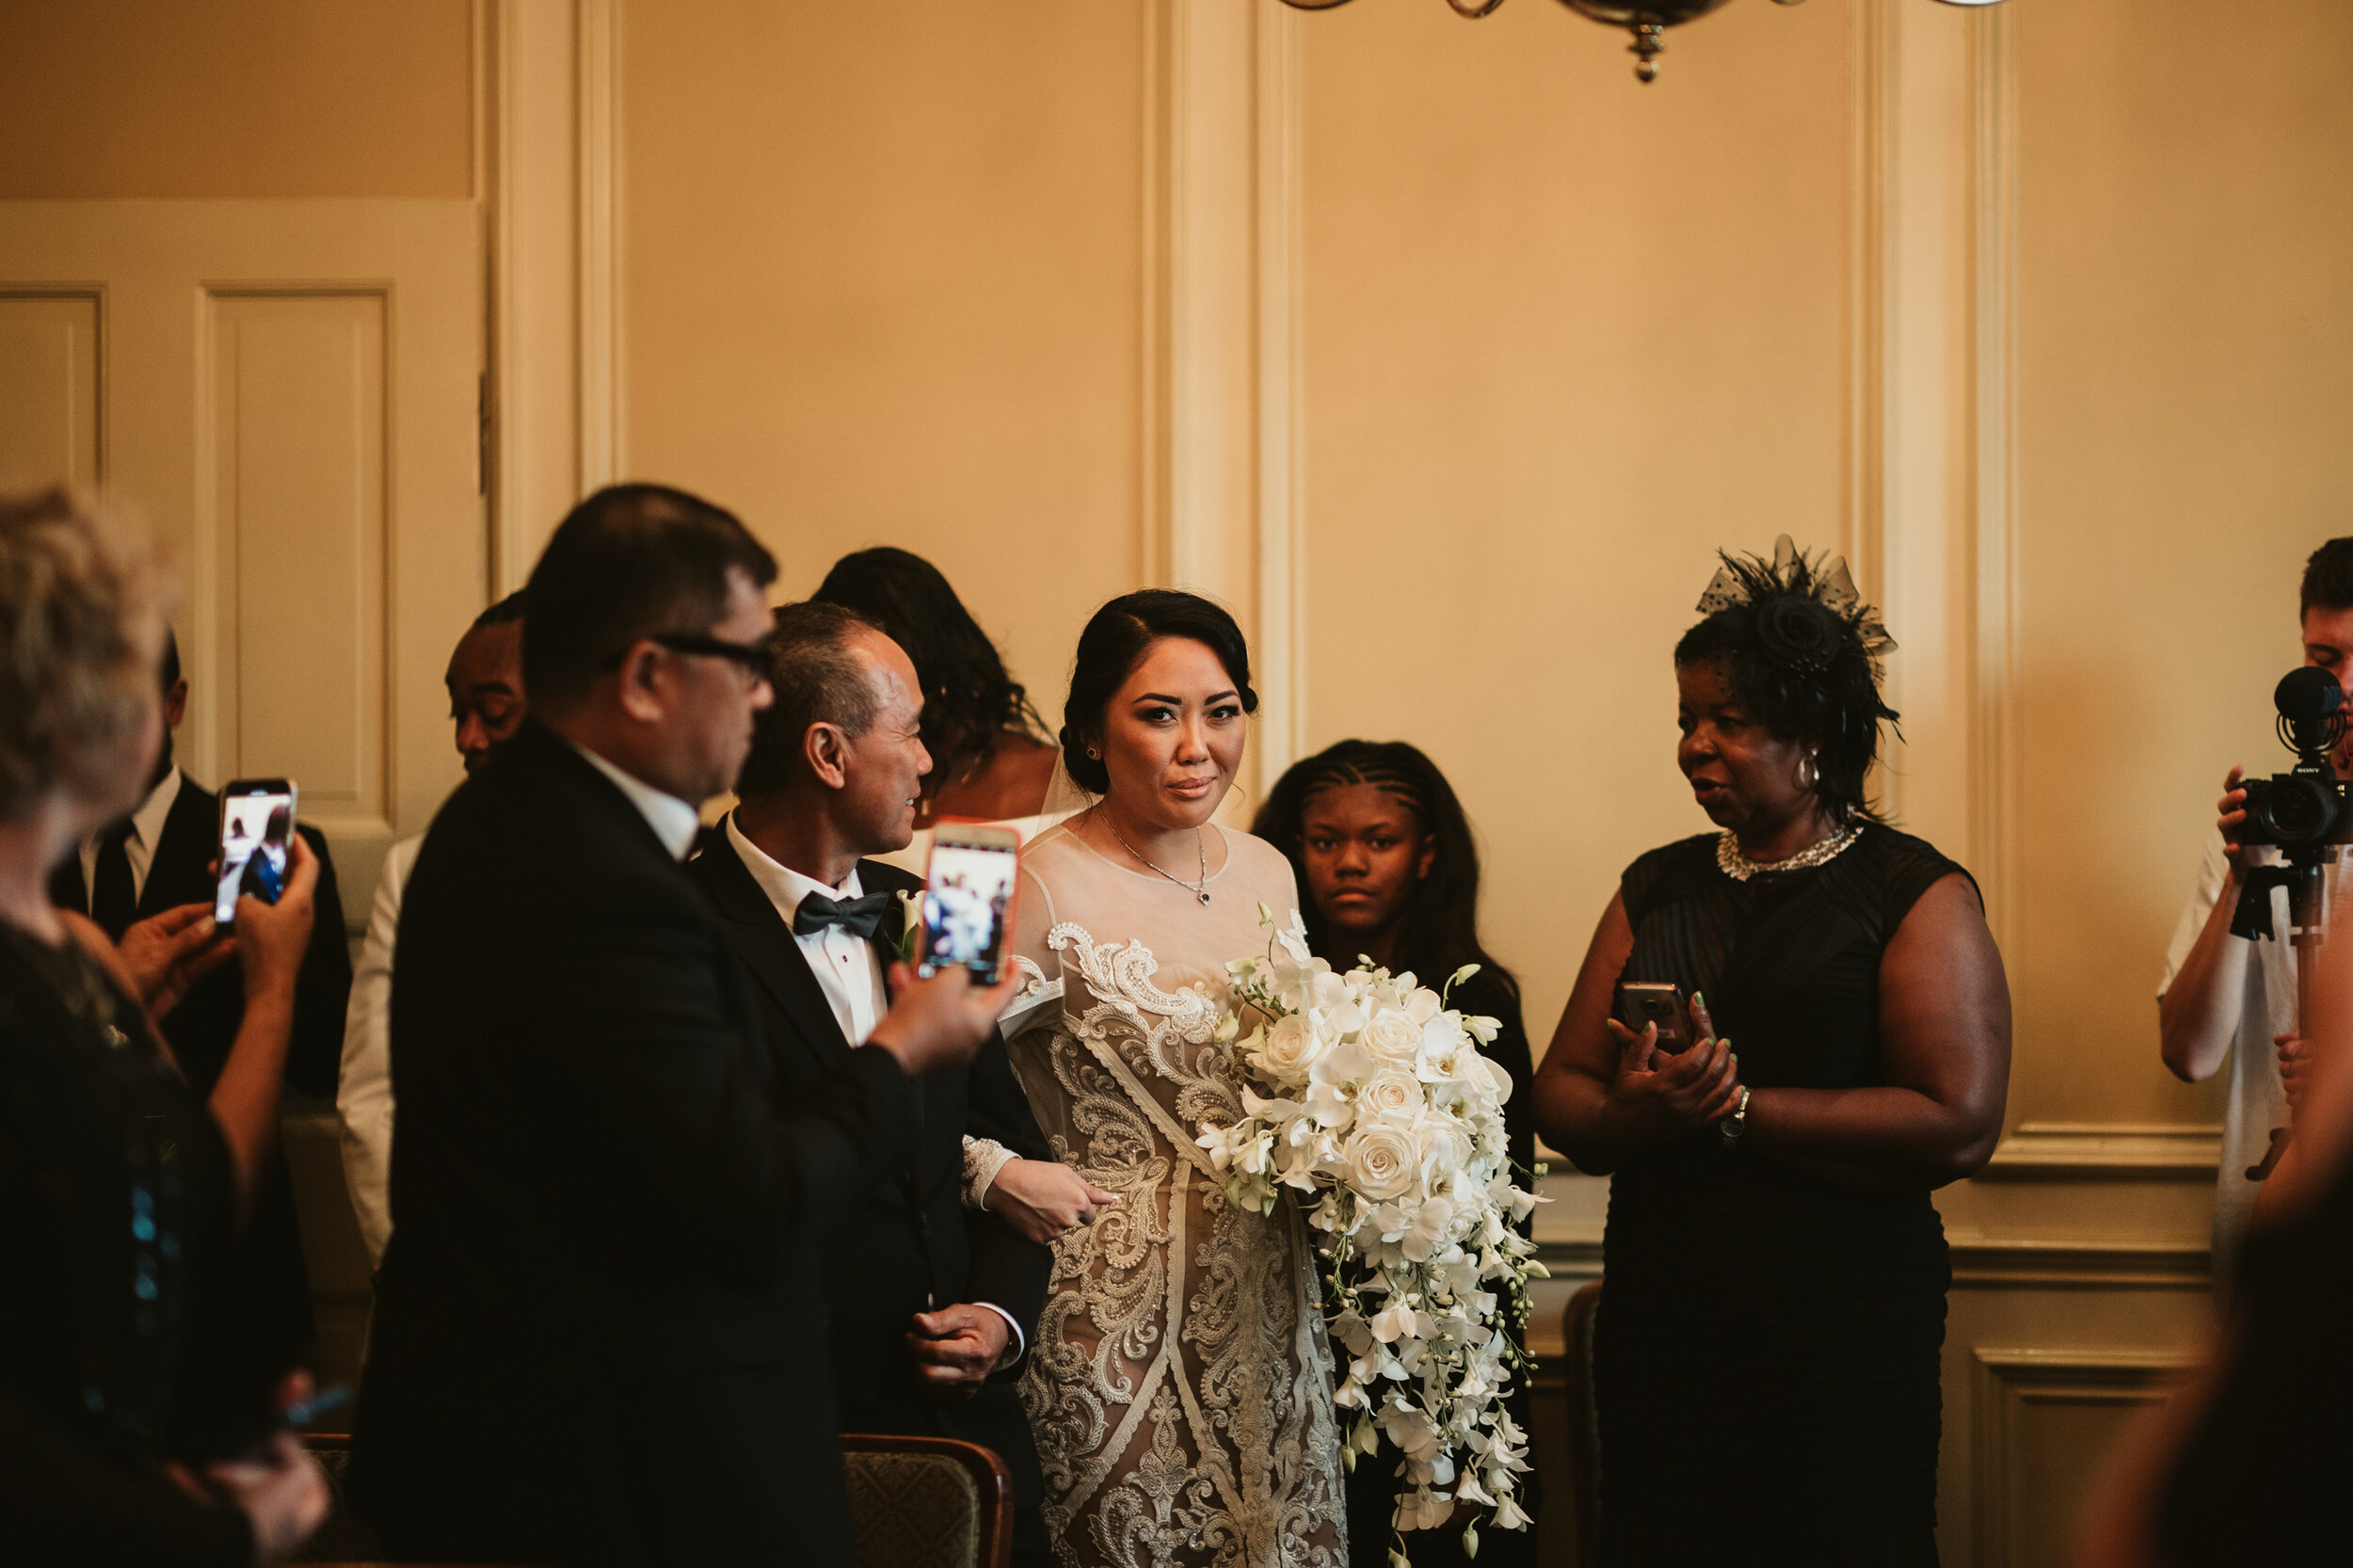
{"type": "Point", "coordinates": [1765, 1356]}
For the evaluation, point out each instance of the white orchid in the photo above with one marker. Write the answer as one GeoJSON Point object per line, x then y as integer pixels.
{"type": "Point", "coordinates": [1369, 1098]}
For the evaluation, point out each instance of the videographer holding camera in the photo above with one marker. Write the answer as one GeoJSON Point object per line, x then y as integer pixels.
{"type": "Point", "coordinates": [2220, 989]}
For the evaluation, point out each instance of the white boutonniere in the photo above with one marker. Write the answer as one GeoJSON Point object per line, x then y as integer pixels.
{"type": "Point", "coordinates": [910, 925]}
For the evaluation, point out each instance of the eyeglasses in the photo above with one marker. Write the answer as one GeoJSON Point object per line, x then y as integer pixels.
{"type": "Point", "coordinates": [752, 658]}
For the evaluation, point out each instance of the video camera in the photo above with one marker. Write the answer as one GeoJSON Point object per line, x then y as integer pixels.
{"type": "Point", "coordinates": [2306, 813]}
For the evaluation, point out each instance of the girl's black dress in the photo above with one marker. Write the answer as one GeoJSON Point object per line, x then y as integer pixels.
{"type": "Point", "coordinates": [114, 1212]}
{"type": "Point", "coordinates": [1766, 1355]}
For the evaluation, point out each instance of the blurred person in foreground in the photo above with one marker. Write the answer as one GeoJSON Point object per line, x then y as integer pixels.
{"type": "Point", "coordinates": [1390, 872]}
{"type": "Point", "coordinates": [2247, 1466]}
{"type": "Point", "coordinates": [2232, 1000]}
{"type": "Point", "coordinates": [486, 704]}
{"type": "Point", "coordinates": [126, 1436]}
{"type": "Point", "coordinates": [161, 856]}
{"type": "Point", "coordinates": [1767, 1354]}
{"type": "Point", "coordinates": [595, 1341]}
{"type": "Point", "coordinates": [934, 1301]}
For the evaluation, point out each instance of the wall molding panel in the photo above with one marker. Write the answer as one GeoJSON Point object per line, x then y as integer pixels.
{"type": "Point", "coordinates": [1219, 512]}
{"type": "Point", "coordinates": [2035, 1409]}
{"type": "Point", "coordinates": [52, 403]}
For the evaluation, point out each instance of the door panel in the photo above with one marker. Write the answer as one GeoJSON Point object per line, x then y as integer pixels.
{"type": "Point", "coordinates": [48, 388]}
{"type": "Point", "coordinates": [288, 391]}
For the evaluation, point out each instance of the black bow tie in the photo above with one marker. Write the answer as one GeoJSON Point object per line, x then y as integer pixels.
{"type": "Point", "coordinates": [856, 915]}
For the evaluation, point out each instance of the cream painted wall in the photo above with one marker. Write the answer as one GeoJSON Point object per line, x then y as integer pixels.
{"type": "Point", "coordinates": [880, 283]}
{"type": "Point", "coordinates": [1565, 337]}
{"type": "Point", "coordinates": [236, 98]}
{"type": "Point", "coordinates": [2185, 353]}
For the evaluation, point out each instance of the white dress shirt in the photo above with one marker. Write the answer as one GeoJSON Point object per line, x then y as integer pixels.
{"type": "Point", "coordinates": [846, 966]}
{"type": "Point", "coordinates": [147, 825]}
{"type": "Point", "coordinates": [363, 1093]}
{"type": "Point", "coordinates": [674, 821]}
{"type": "Point", "coordinates": [848, 971]}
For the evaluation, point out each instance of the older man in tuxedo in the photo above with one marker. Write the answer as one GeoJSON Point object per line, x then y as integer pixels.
{"type": "Point", "coordinates": [600, 1336]}
{"type": "Point", "coordinates": [932, 1301]}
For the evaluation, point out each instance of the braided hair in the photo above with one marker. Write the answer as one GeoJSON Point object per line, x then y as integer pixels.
{"type": "Point", "coordinates": [1804, 654]}
{"type": "Point", "coordinates": [1439, 931]}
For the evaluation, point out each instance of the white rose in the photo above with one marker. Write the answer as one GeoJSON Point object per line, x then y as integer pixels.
{"type": "Point", "coordinates": [1382, 1161]}
{"type": "Point", "coordinates": [1290, 1049]}
{"type": "Point", "coordinates": [1393, 1037]}
{"type": "Point", "coordinates": [1390, 1096]}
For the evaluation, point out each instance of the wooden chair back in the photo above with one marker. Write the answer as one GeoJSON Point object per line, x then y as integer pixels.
{"type": "Point", "coordinates": [928, 1502]}
{"type": "Point", "coordinates": [1577, 1333]}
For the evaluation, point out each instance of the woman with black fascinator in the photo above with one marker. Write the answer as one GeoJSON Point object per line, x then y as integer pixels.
{"type": "Point", "coordinates": [1766, 1357]}
{"type": "Point", "coordinates": [1389, 872]}
{"type": "Point", "coordinates": [990, 760]}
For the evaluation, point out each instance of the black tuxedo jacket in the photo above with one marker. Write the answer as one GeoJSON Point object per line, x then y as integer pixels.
{"type": "Point", "coordinates": [908, 1243]}
{"type": "Point", "coordinates": [600, 1336]}
{"type": "Point", "coordinates": [269, 1294]}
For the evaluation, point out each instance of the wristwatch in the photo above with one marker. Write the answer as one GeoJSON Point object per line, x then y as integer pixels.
{"type": "Point", "coordinates": [1736, 1124]}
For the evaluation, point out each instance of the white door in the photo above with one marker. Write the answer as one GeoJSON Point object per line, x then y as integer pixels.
{"type": "Point", "coordinates": [289, 391]}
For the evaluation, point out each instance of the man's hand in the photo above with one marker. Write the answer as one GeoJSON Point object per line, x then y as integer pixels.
{"type": "Point", "coordinates": [940, 1021]}
{"type": "Point", "coordinates": [171, 951]}
{"type": "Point", "coordinates": [2230, 816]}
{"type": "Point", "coordinates": [956, 1349]}
{"type": "Point", "coordinates": [2296, 1066]}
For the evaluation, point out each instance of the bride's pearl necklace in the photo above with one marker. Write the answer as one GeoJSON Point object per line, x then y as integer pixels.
{"type": "Point", "coordinates": [1740, 868]}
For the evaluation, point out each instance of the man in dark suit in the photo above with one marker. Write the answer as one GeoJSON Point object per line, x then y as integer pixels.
{"type": "Point", "coordinates": [159, 858]}
{"type": "Point", "coordinates": [600, 1337]}
{"type": "Point", "coordinates": [933, 1302]}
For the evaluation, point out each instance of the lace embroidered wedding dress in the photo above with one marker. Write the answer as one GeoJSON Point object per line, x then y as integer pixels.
{"type": "Point", "coordinates": [1180, 1388]}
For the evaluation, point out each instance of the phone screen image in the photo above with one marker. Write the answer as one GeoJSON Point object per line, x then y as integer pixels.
{"type": "Point", "coordinates": [256, 830]}
{"type": "Point", "coordinates": [969, 891]}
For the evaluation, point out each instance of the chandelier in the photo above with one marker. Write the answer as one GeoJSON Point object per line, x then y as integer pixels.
{"type": "Point", "coordinates": [1647, 20]}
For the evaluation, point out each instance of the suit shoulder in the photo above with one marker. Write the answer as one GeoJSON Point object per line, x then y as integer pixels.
{"type": "Point", "coordinates": [881, 877]}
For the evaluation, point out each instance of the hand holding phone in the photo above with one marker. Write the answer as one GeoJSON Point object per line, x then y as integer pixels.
{"type": "Point", "coordinates": [1643, 1002]}
{"type": "Point", "coordinates": [968, 900]}
{"type": "Point", "coordinates": [257, 832]}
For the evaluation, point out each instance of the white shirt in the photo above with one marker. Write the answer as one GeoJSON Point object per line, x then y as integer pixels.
{"type": "Point", "coordinates": [2256, 1103]}
{"type": "Point", "coordinates": [850, 973]}
{"type": "Point", "coordinates": [147, 825]}
{"type": "Point", "coordinates": [846, 966]}
{"type": "Point", "coordinates": [674, 821]}
{"type": "Point", "coordinates": [363, 1093]}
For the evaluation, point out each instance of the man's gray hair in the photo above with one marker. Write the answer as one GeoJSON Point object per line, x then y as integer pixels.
{"type": "Point", "coordinates": [817, 680]}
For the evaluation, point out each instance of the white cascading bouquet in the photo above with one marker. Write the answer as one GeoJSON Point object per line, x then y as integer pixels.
{"type": "Point", "coordinates": [1365, 1095]}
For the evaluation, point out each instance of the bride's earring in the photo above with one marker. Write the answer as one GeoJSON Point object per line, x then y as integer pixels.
{"type": "Point", "coordinates": [1094, 756]}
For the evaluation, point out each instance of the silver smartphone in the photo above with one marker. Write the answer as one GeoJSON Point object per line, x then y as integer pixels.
{"type": "Point", "coordinates": [1646, 1001]}
{"type": "Point", "coordinates": [968, 898]}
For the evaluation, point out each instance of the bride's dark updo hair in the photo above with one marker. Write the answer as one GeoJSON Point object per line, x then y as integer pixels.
{"type": "Point", "coordinates": [1804, 654]}
{"type": "Point", "coordinates": [1111, 647]}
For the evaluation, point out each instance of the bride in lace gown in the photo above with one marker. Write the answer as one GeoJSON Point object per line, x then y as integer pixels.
{"type": "Point", "coordinates": [1181, 1388]}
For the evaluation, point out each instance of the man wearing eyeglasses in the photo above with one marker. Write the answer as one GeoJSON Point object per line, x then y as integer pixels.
{"type": "Point", "coordinates": [601, 1336]}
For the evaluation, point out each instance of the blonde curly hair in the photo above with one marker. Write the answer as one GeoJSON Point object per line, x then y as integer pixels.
{"type": "Point", "coordinates": [82, 606]}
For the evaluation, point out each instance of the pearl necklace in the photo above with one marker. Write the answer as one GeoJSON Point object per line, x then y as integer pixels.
{"type": "Point", "coordinates": [1738, 867]}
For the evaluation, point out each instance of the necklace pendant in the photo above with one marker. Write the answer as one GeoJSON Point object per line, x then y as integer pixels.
{"type": "Point", "coordinates": [1202, 896]}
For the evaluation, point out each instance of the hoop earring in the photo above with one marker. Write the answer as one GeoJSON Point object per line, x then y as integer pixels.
{"type": "Point", "coordinates": [1093, 755]}
{"type": "Point", "coordinates": [1811, 774]}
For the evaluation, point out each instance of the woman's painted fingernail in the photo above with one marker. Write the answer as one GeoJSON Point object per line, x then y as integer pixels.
{"type": "Point", "coordinates": [1697, 1000]}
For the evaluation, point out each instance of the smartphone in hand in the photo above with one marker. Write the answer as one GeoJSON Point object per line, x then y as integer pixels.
{"type": "Point", "coordinates": [1642, 1002]}
{"type": "Point", "coordinates": [257, 828]}
{"type": "Point", "coordinates": [968, 899]}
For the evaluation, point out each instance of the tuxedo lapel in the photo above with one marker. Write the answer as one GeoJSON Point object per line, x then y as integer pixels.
{"type": "Point", "coordinates": [768, 950]}
{"type": "Point", "coordinates": [176, 873]}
